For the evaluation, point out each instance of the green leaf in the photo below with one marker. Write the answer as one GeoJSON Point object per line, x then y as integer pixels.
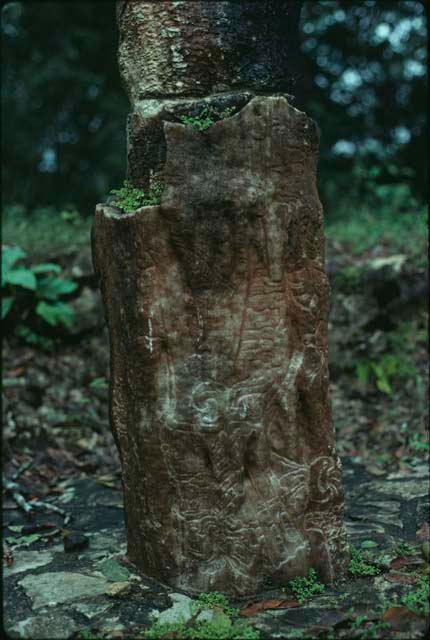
{"type": "Point", "coordinates": [384, 386]}
{"type": "Point", "coordinates": [6, 304]}
{"type": "Point", "coordinates": [99, 383]}
{"type": "Point", "coordinates": [46, 266]}
{"type": "Point", "coordinates": [56, 313]}
{"type": "Point", "coordinates": [10, 255]}
{"type": "Point", "coordinates": [21, 277]}
{"type": "Point", "coordinates": [16, 529]}
{"type": "Point", "coordinates": [23, 540]}
{"type": "Point", "coordinates": [362, 369]}
{"type": "Point", "coordinates": [368, 544]}
{"type": "Point", "coordinates": [52, 288]}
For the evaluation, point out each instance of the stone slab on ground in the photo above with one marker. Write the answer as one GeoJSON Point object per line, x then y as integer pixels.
{"type": "Point", "coordinates": [52, 594]}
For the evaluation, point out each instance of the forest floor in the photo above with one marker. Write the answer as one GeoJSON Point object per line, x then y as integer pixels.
{"type": "Point", "coordinates": [65, 570]}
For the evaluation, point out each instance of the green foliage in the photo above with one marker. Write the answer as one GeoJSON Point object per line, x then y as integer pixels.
{"type": "Point", "coordinates": [419, 443]}
{"type": "Point", "coordinates": [371, 225]}
{"type": "Point", "coordinates": [404, 549]}
{"type": "Point", "coordinates": [45, 230]}
{"type": "Point", "coordinates": [99, 383]}
{"type": "Point", "coordinates": [361, 565]}
{"type": "Point", "coordinates": [208, 116]}
{"type": "Point", "coordinates": [381, 372]}
{"type": "Point", "coordinates": [38, 289]}
{"type": "Point", "coordinates": [219, 629]}
{"type": "Point", "coordinates": [128, 198]}
{"type": "Point", "coordinates": [63, 104]}
{"type": "Point", "coordinates": [306, 587]}
{"type": "Point", "coordinates": [418, 600]}
{"type": "Point", "coordinates": [223, 625]}
{"type": "Point", "coordinates": [215, 599]}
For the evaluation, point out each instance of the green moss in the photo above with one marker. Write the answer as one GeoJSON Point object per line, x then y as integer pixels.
{"type": "Point", "coordinates": [418, 600]}
{"type": "Point", "coordinates": [215, 600]}
{"type": "Point", "coordinates": [360, 565]}
{"type": "Point", "coordinates": [405, 549]}
{"type": "Point", "coordinates": [208, 116]}
{"type": "Point", "coordinates": [128, 198]}
{"type": "Point", "coordinates": [306, 587]}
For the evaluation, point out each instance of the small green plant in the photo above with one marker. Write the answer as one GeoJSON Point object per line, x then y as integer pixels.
{"type": "Point", "coordinates": [418, 600]}
{"type": "Point", "coordinates": [208, 116]}
{"type": "Point", "coordinates": [215, 600]}
{"type": "Point", "coordinates": [223, 625]}
{"type": "Point", "coordinates": [361, 565]}
{"type": "Point", "coordinates": [419, 444]}
{"type": "Point", "coordinates": [381, 372]}
{"type": "Point", "coordinates": [37, 290]}
{"type": "Point", "coordinates": [306, 587]}
{"type": "Point", "coordinates": [128, 198]}
{"type": "Point", "coordinates": [404, 549]}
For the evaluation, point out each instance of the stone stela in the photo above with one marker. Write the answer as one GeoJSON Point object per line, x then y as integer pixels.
{"type": "Point", "coordinates": [217, 305]}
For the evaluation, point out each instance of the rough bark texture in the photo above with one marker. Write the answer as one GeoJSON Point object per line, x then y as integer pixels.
{"type": "Point", "coordinates": [196, 48]}
{"type": "Point", "coordinates": [217, 307]}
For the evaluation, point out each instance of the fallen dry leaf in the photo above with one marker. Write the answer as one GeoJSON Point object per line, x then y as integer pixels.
{"type": "Point", "coordinates": [400, 562]}
{"type": "Point", "coordinates": [400, 618]}
{"type": "Point", "coordinates": [253, 608]}
{"type": "Point", "coordinates": [401, 578]}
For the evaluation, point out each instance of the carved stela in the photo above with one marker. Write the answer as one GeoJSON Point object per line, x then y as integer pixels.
{"type": "Point", "coordinates": [217, 306]}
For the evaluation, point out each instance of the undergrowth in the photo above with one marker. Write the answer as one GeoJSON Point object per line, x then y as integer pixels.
{"type": "Point", "coordinates": [306, 587]}
{"type": "Point", "coordinates": [223, 625]}
{"type": "Point", "coordinates": [361, 564]}
{"type": "Point", "coordinates": [418, 600]}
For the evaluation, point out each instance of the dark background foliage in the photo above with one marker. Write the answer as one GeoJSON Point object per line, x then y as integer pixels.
{"type": "Point", "coordinates": [64, 109]}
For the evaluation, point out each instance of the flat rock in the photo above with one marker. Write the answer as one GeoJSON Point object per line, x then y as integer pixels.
{"type": "Point", "coordinates": [90, 610]}
{"type": "Point", "coordinates": [45, 626]}
{"type": "Point", "coordinates": [48, 589]}
{"type": "Point", "coordinates": [26, 560]}
{"type": "Point", "coordinates": [113, 571]}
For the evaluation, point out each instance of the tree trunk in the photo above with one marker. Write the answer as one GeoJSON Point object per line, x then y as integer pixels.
{"type": "Point", "coordinates": [217, 306]}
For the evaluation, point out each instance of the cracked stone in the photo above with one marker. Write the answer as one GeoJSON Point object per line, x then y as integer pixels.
{"type": "Point", "coordinates": [48, 589]}
{"type": "Point", "coordinates": [90, 610]}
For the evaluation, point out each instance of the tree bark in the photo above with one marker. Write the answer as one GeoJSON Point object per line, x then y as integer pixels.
{"type": "Point", "coordinates": [217, 306]}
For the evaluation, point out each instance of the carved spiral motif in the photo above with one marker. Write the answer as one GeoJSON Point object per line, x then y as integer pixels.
{"type": "Point", "coordinates": [207, 399]}
{"type": "Point", "coordinates": [326, 479]}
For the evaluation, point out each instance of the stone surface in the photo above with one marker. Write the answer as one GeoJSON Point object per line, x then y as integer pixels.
{"type": "Point", "coordinates": [55, 626]}
{"type": "Point", "coordinates": [48, 589]}
{"type": "Point", "coordinates": [181, 611]}
{"type": "Point", "coordinates": [217, 307]}
{"type": "Point", "coordinates": [114, 571]}
{"type": "Point", "coordinates": [27, 560]}
{"type": "Point", "coordinates": [198, 48]}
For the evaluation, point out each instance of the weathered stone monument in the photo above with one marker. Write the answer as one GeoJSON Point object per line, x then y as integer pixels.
{"type": "Point", "coordinates": [217, 305]}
